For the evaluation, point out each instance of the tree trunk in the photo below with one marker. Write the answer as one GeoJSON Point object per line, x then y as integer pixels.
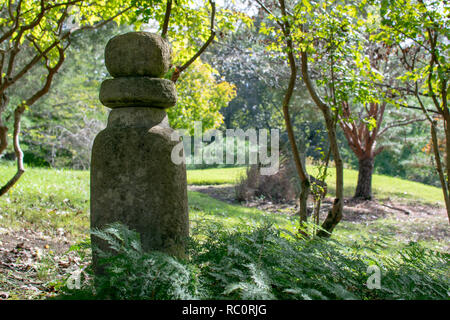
{"type": "Point", "coordinates": [301, 168]}
{"type": "Point", "coordinates": [335, 214]}
{"type": "Point", "coordinates": [17, 150]}
{"type": "Point", "coordinates": [303, 210]}
{"type": "Point", "coordinates": [364, 186]}
{"type": "Point", "coordinates": [3, 127]}
{"type": "Point", "coordinates": [440, 170]}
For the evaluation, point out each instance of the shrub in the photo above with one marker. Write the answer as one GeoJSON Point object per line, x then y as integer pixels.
{"type": "Point", "coordinates": [277, 188]}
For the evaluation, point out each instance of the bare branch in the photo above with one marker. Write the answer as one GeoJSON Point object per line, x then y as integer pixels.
{"type": "Point", "coordinates": [309, 85]}
{"type": "Point", "coordinates": [400, 124]}
{"type": "Point", "coordinates": [264, 7]}
{"type": "Point", "coordinates": [61, 4]}
{"type": "Point", "coordinates": [30, 65]}
{"type": "Point", "coordinates": [42, 54]}
{"type": "Point", "coordinates": [16, 20]}
{"type": "Point", "coordinates": [18, 112]}
{"type": "Point", "coordinates": [166, 19]}
{"type": "Point", "coordinates": [48, 81]}
{"type": "Point", "coordinates": [418, 108]}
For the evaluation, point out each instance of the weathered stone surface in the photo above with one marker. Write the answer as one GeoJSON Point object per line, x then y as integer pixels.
{"type": "Point", "coordinates": [135, 182]}
{"type": "Point", "coordinates": [138, 117]}
{"type": "Point", "coordinates": [137, 54]}
{"type": "Point", "coordinates": [138, 92]}
{"type": "Point", "coordinates": [133, 178]}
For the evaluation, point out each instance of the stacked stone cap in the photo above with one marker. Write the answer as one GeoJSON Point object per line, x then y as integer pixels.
{"type": "Point", "coordinates": [137, 60]}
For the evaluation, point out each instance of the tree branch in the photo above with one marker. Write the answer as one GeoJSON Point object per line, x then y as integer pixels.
{"type": "Point", "coordinates": [16, 20]}
{"type": "Point", "coordinates": [18, 112]}
{"type": "Point", "coordinates": [400, 124]}
{"type": "Point", "coordinates": [180, 69]}
{"type": "Point", "coordinates": [18, 152]}
{"type": "Point", "coordinates": [166, 19]}
{"type": "Point", "coordinates": [309, 85]}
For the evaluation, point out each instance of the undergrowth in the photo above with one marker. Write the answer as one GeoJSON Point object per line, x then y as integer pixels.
{"type": "Point", "coordinates": [265, 263]}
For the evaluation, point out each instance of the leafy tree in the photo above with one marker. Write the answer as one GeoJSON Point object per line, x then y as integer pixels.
{"type": "Point", "coordinates": [305, 29]}
{"type": "Point", "coordinates": [343, 69]}
{"type": "Point", "coordinates": [366, 113]}
{"type": "Point", "coordinates": [285, 41]}
{"type": "Point", "coordinates": [407, 152]}
{"type": "Point", "coordinates": [260, 76]}
{"type": "Point", "coordinates": [200, 97]}
{"type": "Point", "coordinates": [241, 58]}
{"type": "Point", "coordinates": [419, 32]}
{"type": "Point", "coordinates": [59, 129]}
{"type": "Point", "coordinates": [192, 24]}
{"type": "Point", "coordinates": [33, 35]}
{"type": "Point", "coordinates": [34, 39]}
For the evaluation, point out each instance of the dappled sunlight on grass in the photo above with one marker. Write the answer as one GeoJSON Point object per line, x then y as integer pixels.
{"type": "Point", "coordinates": [390, 234]}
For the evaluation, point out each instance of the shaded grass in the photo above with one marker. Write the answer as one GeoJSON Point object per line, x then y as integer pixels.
{"type": "Point", "coordinates": [391, 235]}
{"type": "Point", "coordinates": [387, 235]}
{"type": "Point", "coordinates": [202, 207]}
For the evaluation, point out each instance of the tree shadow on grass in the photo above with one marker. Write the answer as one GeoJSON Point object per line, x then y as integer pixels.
{"type": "Point", "coordinates": [205, 205]}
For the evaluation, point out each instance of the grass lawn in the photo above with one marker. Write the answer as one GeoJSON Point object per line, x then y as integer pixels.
{"type": "Point", "coordinates": [51, 181]}
{"type": "Point", "coordinates": [55, 202]}
{"type": "Point", "coordinates": [384, 187]}
{"type": "Point", "coordinates": [52, 199]}
{"type": "Point", "coordinates": [49, 199]}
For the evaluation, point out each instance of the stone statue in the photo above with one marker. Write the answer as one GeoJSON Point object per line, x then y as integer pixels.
{"type": "Point", "coordinates": [133, 179]}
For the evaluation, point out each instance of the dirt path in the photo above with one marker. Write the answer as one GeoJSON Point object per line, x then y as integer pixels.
{"type": "Point", "coordinates": [31, 261]}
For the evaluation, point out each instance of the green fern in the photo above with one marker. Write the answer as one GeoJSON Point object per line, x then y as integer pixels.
{"type": "Point", "coordinates": [264, 263]}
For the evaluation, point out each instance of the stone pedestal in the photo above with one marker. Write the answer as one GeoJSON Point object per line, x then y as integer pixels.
{"type": "Point", "coordinates": [133, 179]}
